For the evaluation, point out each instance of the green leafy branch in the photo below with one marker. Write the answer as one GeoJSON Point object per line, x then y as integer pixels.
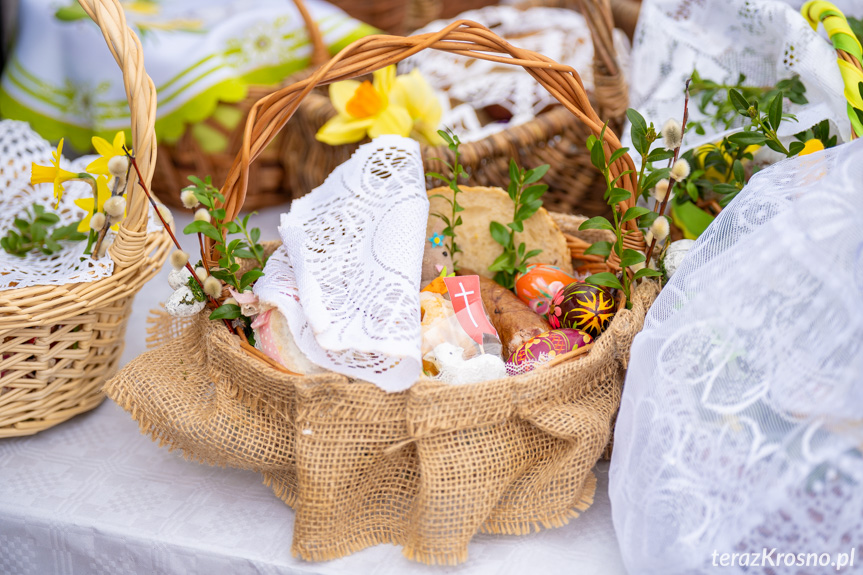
{"type": "Point", "coordinates": [714, 100]}
{"type": "Point", "coordinates": [34, 232]}
{"type": "Point", "coordinates": [526, 195]}
{"type": "Point", "coordinates": [453, 220]}
{"type": "Point", "coordinates": [215, 228]}
{"type": "Point", "coordinates": [614, 195]}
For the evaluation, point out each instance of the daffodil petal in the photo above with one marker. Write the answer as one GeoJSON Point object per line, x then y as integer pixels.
{"type": "Point", "coordinates": [427, 135]}
{"type": "Point", "coordinates": [42, 174]}
{"type": "Point", "coordinates": [84, 224]}
{"type": "Point", "coordinates": [119, 141]}
{"type": "Point", "coordinates": [419, 98]}
{"type": "Point", "coordinates": [383, 80]}
{"type": "Point", "coordinates": [343, 130]}
{"type": "Point", "coordinates": [98, 166]}
{"type": "Point", "coordinates": [393, 120]}
{"type": "Point", "coordinates": [340, 93]}
{"type": "Point", "coordinates": [103, 148]}
{"type": "Point", "coordinates": [102, 191]}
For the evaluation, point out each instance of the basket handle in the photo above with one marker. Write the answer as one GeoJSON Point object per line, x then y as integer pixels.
{"type": "Point", "coordinates": [130, 244]}
{"type": "Point", "coordinates": [609, 85]}
{"type": "Point", "coordinates": [320, 54]}
{"type": "Point", "coordinates": [270, 114]}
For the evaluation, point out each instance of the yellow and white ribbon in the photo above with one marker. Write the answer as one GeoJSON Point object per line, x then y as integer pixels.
{"type": "Point", "coordinates": [848, 47]}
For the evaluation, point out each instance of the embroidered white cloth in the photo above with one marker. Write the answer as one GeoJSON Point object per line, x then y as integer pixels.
{"type": "Point", "coordinates": [347, 276]}
{"type": "Point", "coordinates": [19, 148]}
{"type": "Point", "coordinates": [560, 34]}
{"type": "Point", "coordinates": [740, 425]}
{"type": "Point", "coordinates": [62, 79]}
{"type": "Point", "coordinates": [766, 40]}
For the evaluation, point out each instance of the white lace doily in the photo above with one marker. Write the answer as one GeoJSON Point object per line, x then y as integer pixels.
{"type": "Point", "coordinates": [348, 274]}
{"type": "Point", "coordinates": [560, 34]}
{"type": "Point", "coordinates": [19, 148]}
{"type": "Point", "coordinates": [740, 425]}
{"type": "Point", "coordinates": [767, 40]}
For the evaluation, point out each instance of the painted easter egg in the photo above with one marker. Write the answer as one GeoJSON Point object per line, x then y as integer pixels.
{"type": "Point", "coordinates": [582, 306]}
{"type": "Point", "coordinates": [551, 344]}
{"type": "Point", "coordinates": [538, 285]}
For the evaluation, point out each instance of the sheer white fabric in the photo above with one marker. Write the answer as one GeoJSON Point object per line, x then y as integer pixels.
{"type": "Point", "coordinates": [740, 423]}
{"type": "Point", "coordinates": [767, 40]}
{"type": "Point", "coordinates": [472, 85]}
{"type": "Point", "coordinates": [348, 274]}
{"type": "Point", "coordinates": [19, 148]}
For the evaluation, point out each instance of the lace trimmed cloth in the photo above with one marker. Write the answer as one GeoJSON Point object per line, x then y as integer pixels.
{"type": "Point", "coordinates": [19, 148]}
{"type": "Point", "coordinates": [61, 79]}
{"type": "Point", "coordinates": [740, 426]}
{"type": "Point", "coordinates": [347, 276]}
{"type": "Point", "coordinates": [472, 85]}
{"type": "Point", "coordinates": [766, 40]}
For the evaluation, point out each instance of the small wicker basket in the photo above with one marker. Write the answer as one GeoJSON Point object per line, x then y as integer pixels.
{"type": "Point", "coordinates": [60, 344]}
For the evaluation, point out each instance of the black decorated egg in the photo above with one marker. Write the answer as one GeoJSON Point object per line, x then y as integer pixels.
{"type": "Point", "coordinates": [582, 306]}
{"type": "Point", "coordinates": [549, 345]}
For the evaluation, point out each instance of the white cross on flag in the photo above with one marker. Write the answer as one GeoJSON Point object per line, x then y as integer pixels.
{"type": "Point", "coordinates": [467, 303]}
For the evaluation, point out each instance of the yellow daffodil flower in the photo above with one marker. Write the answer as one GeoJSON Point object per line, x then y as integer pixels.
{"type": "Point", "coordinates": [52, 174]}
{"type": "Point", "coordinates": [107, 151]}
{"type": "Point", "coordinates": [811, 146]}
{"type": "Point", "coordinates": [422, 103]}
{"type": "Point", "coordinates": [86, 204]}
{"type": "Point", "coordinates": [391, 104]}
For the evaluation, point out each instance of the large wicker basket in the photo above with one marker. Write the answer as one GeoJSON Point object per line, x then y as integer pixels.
{"type": "Point", "coordinates": [61, 343]}
{"type": "Point", "coordinates": [425, 468]}
{"type": "Point", "coordinates": [554, 137]}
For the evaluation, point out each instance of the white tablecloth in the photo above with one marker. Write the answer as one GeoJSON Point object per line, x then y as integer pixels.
{"type": "Point", "coordinates": [94, 496]}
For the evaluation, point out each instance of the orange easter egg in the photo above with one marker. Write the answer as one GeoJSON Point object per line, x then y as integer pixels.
{"type": "Point", "coordinates": [539, 284]}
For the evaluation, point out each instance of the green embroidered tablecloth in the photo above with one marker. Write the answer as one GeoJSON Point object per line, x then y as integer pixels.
{"type": "Point", "coordinates": [62, 79]}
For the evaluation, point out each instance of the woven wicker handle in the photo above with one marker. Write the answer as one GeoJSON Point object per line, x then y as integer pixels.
{"type": "Point", "coordinates": [130, 244]}
{"type": "Point", "coordinates": [272, 112]}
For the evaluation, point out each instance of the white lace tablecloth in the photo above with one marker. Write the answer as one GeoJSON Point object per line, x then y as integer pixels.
{"type": "Point", "coordinates": [93, 496]}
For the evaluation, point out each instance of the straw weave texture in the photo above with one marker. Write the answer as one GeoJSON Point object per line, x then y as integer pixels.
{"type": "Point", "coordinates": [58, 344]}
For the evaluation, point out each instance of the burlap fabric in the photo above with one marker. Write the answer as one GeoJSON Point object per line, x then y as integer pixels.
{"type": "Point", "coordinates": [426, 468]}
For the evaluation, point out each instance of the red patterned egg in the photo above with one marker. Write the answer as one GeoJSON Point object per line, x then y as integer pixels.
{"type": "Point", "coordinates": [582, 306]}
{"type": "Point", "coordinates": [549, 345]}
{"type": "Point", "coordinates": [538, 285]}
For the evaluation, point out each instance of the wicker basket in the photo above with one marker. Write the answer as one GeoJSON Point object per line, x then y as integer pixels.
{"type": "Point", "coordinates": [553, 137]}
{"type": "Point", "coordinates": [61, 343]}
{"type": "Point", "coordinates": [425, 468]}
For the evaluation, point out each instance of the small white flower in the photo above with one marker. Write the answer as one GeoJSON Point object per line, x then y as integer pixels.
{"type": "Point", "coordinates": [660, 228]}
{"type": "Point", "coordinates": [661, 190]}
{"type": "Point", "coordinates": [672, 134]}
{"type": "Point", "coordinates": [680, 170]}
{"type": "Point", "coordinates": [189, 199]}
{"type": "Point", "coordinates": [166, 213]}
{"type": "Point", "coordinates": [212, 287]}
{"type": "Point", "coordinates": [115, 206]}
{"type": "Point", "coordinates": [202, 215]}
{"type": "Point", "coordinates": [97, 222]}
{"type": "Point", "coordinates": [118, 165]}
{"type": "Point", "coordinates": [637, 267]}
{"type": "Point", "coordinates": [201, 273]}
{"type": "Point", "coordinates": [179, 259]}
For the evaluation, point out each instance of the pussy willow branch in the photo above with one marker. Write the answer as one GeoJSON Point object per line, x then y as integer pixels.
{"type": "Point", "coordinates": [672, 181]}
{"type": "Point", "coordinates": [115, 192]}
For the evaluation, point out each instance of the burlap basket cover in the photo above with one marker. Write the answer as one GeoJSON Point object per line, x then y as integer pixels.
{"type": "Point", "coordinates": [426, 468]}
